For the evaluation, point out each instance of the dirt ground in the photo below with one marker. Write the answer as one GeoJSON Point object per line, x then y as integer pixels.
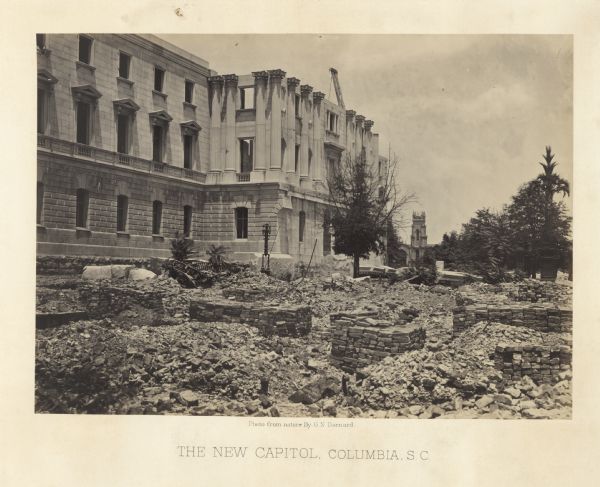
{"type": "Point", "coordinates": [187, 367]}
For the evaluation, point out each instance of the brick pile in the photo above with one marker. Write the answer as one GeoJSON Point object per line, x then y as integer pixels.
{"type": "Point", "coordinates": [358, 340]}
{"type": "Point", "coordinates": [541, 363]}
{"type": "Point", "coordinates": [293, 321]}
{"type": "Point", "coordinates": [541, 317]}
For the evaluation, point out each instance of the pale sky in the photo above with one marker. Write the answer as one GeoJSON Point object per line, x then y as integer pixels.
{"type": "Point", "coordinates": [468, 116]}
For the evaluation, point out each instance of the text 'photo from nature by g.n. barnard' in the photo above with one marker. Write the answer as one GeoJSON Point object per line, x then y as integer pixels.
{"type": "Point", "coordinates": [373, 226]}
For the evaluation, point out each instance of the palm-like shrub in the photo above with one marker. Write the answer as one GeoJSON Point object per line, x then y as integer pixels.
{"type": "Point", "coordinates": [182, 248]}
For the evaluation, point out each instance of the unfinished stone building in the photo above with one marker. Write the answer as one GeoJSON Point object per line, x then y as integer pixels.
{"type": "Point", "coordinates": [138, 140]}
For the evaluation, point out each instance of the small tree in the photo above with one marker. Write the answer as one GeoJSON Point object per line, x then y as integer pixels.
{"type": "Point", "coordinates": [216, 256]}
{"type": "Point", "coordinates": [362, 206]}
{"type": "Point", "coordinates": [182, 248]}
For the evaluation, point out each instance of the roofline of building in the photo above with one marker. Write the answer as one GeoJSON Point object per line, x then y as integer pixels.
{"type": "Point", "coordinates": [170, 51]}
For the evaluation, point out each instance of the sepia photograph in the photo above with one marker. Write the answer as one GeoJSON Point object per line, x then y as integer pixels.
{"type": "Point", "coordinates": [311, 225]}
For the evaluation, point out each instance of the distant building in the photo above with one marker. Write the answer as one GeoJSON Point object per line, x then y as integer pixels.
{"type": "Point", "coordinates": [413, 253]}
{"type": "Point", "coordinates": [138, 140]}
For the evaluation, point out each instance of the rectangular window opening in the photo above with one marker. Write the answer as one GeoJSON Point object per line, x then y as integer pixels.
{"type": "Point", "coordinates": [297, 105]}
{"type": "Point", "coordinates": [247, 98]}
{"type": "Point", "coordinates": [241, 222]}
{"type": "Point", "coordinates": [296, 157]}
{"type": "Point", "coordinates": [40, 202]}
{"type": "Point", "coordinates": [301, 225]}
{"type": "Point", "coordinates": [156, 217]}
{"type": "Point", "coordinates": [188, 151]}
{"type": "Point", "coordinates": [189, 91]}
{"type": "Point", "coordinates": [246, 155]}
{"type": "Point", "coordinates": [157, 143]}
{"type": "Point", "coordinates": [81, 211]}
{"type": "Point", "coordinates": [83, 123]}
{"type": "Point", "coordinates": [159, 79]}
{"type": "Point", "coordinates": [187, 221]}
{"type": "Point", "coordinates": [124, 65]}
{"type": "Point", "coordinates": [122, 208]}
{"type": "Point", "coordinates": [41, 111]}
{"type": "Point", "coordinates": [85, 49]}
{"type": "Point", "coordinates": [123, 124]}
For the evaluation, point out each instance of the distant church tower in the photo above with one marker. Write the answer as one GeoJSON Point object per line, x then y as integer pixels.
{"type": "Point", "coordinates": [418, 238]}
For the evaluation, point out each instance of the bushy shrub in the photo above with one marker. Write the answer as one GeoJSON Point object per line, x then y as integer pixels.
{"type": "Point", "coordinates": [182, 247]}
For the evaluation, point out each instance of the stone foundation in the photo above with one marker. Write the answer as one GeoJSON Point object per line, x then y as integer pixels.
{"type": "Point", "coordinates": [291, 321]}
{"type": "Point", "coordinates": [103, 300]}
{"type": "Point", "coordinates": [542, 364]}
{"type": "Point", "coordinates": [73, 265]}
{"type": "Point", "coordinates": [545, 318]}
{"type": "Point", "coordinates": [358, 341]}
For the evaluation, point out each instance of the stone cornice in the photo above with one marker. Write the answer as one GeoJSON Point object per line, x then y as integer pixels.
{"type": "Point", "coordinates": [359, 119]}
{"type": "Point", "coordinates": [125, 105]}
{"type": "Point", "coordinates": [369, 124]}
{"type": "Point", "coordinates": [230, 79]}
{"type": "Point", "coordinates": [165, 53]}
{"type": "Point", "coordinates": [46, 77]}
{"type": "Point", "coordinates": [190, 127]}
{"type": "Point", "coordinates": [318, 97]}
{"type": "Point", "coordinates": [306, 90]}
{"type": "Point", "coordinates": [160, 117]}
{"type": "Point", "coordinates": [215, 81]}
{"type": "Point", "coordinates": [260, 75]}
{"type": "Point", "coordinates": [276, 74]}
{"type": "Point", "coordinates": [293, 82]}
{"type": "Point", "coordinates": [85, 91]}
{"type": "Point", "coordinates": [350, 115]}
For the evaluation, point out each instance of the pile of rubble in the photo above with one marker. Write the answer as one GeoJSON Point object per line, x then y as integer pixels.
{"type": "Point", "coordinates": [102, 368]}
{"type": "Point", "coordinates": [459, 377]}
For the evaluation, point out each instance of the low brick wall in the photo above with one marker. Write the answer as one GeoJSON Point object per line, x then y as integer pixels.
{"type": "Point", "coordinates": [545, 318]}
{"type": "Point", "coordinates": [291, 321]}
{"type": "Point", "coordinates": [103, 300]}
{"type": "Point", "coordinates": [71, 265]}
{"type": "Point", "coordinates": [358, 341]}
{"type": "Point", "coordinates": [541, 363]}
{"type": "Point", "coordinates": [535, 291]}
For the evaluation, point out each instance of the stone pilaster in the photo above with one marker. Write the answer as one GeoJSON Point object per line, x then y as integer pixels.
{"type": "Point", "coordinates": [260, 88]}
{"type": "Point", "coordinates": [368, 136]}
{"type": "Point", "coordinates": [275, 77]}
{"type": "Point", "coordinates": [350, 133]}
{"type": "Point", "coordinates": [231, 153]}
{"type": "Point", "coordinates": [318, 136]}
{"type": "Point", "coordinates": [216, 94]}
{"type": "Point", "coordinates": [289, 163]}
{"type": "Point", "coordinates": [359, 143]}
{"type": "Point", "coordinates": [305, 91]}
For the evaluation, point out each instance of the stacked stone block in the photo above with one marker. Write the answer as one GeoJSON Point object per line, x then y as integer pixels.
{"type": "Point", "coordinates": [359, 340]}
{"type": "Point", "coordinates": [73, 265]}
{"type": "Point", "coordinates": [542, 364]}
{"type": "Point", "coordinates": [292, 321]}
{"type": "Point", "coordinates": [541, 317]}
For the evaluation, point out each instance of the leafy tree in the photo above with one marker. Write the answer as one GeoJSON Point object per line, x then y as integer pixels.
{"type": "Point", "coordinates": [362, 204]}
{"type": "Point", "coordinates": [449, 249]}
{"type": "Point", "coordinates": [533, 223]}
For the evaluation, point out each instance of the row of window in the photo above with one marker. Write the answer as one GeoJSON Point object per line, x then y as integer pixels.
{"type": "Point", "coordinates": [82, 200]}
{"type": "Point", "coordinates": [82, 206]}
{"type": "Point", "coordinates": [85, 51]}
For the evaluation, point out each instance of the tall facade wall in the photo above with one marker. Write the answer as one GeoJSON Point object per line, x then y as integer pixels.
{"type": "Point", "coordinates": [296, 136]}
